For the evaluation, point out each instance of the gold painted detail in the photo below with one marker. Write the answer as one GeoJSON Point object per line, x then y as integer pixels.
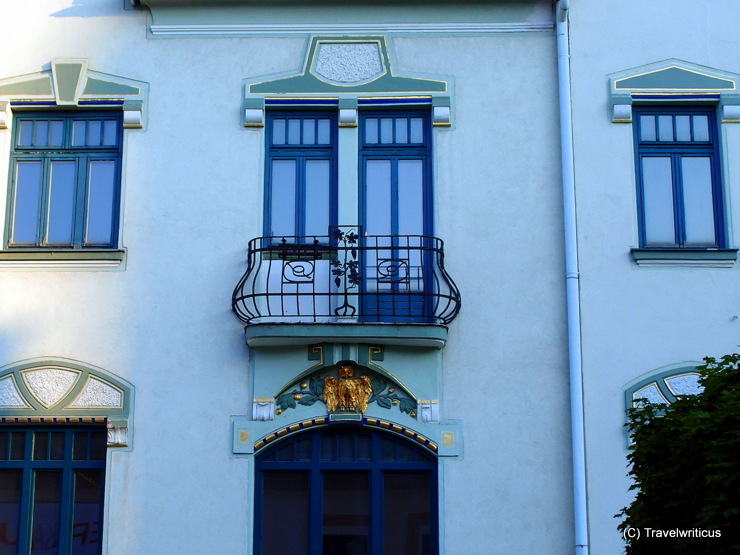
{"type": "Point", "coordinates": [54, 420]}
{"type": "Point", "coordinates": [347, 393]}
{"type": "Point", "coordinates": [282, 432]}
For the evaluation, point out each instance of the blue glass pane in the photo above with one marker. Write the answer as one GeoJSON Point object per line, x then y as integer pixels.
{"type": "Point", "coordinates": [386, 130]}
{"type": "Point", "coordinates": [294, 131]}
{"type": "Point", "coordinates": [41, 133]}
{"type": "Point", "coordinates": [101, 202]}
{"type": "Point", "coordinates": [57, 133]}
{"type": "Point", "coordinates": [94, 133]}
{"type": "Point", "coordinates": [378, 197]}
{"type": "Point", "coordinates": [647, 128]}
{"type": "Point", "coordinates": [417, 130]}
{"type": "Point", "coordinates": [410, 197]}
{"type": "Point", "coordinates": [701, 128]}
{"type": "Point", "coordinates": [27, 198]}
{"type": "Point", "coordinates": [285, 504]}
{"type": "Point", "coordinates": [309, 131]}
{"type": "Point", "coordinates": [278, 131]}
{"type": "Point", "coordinates": [657, 186]}
{"type": "Point", "coordinates": [371, 130]}
{"type": "Point", "coordinates": [282, 201]}
{"type": "Point", "coordinates": [40, 446]}
{"type": "Point", "coordinates": [683, 128]}
{"type": "Point", "coordinates": [26, 134]}
{"type": "Point", "coordinates": [665, 128]}
{"type": "Point", "coordinates": [46, 509]}
{"type": "Point", "coordinates": [318, 179]}
{"type": "Point", "coordinates": [402, 135]}
{"type": "Point", "coordinates": [697, 199]}
{"type": "Point", "coordinates": [324, 132]}
{"type": "Point", "coordinates": [10, 507]}
{"type": "Point", "coordinates": [78, 133]}
{"type": "Point", "coordinates": [86, 513]}
{"type": "Point", "coordinates": [346, 513]}
{"type": "Point", "coordinates": [17, 446]}
{"type": "Point", "coordinates": [60, 223]}
{"type": "Point", "coordinates": [407, 514]}
{"type": "Point", "coordinates": [110, 132]}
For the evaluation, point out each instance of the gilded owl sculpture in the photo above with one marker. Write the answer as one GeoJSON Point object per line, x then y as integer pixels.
{"type": "Point", "coordinates": [347, 393]}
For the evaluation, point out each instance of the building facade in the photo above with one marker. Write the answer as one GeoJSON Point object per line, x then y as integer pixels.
{"type": "Point", "coordinates": [293, 278]}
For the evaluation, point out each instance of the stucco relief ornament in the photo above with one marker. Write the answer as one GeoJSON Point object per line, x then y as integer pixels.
{"type": "Point", "coordinates": [347, 393]}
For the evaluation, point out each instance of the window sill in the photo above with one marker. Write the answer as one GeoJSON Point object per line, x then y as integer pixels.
{"type": "Point", "coordinates": [685, 258]}
{"type": "Point", "coordinates": [62, 259]}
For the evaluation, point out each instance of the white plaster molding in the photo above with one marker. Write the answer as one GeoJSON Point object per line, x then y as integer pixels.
{"type": "Point", "coordinates": [622, 113]}
{"type": "Point", "coordinates": [347, 117]}
{"type": "Point", "coordinates": [339, 28]}
{"type": "Point", "coordinates": [263, 409]}
{"type": "Point", "coordinates": [428, 411]}
{"type": "Point", "coordinates": [117, 436]}
{"type": "Point", "coordinates": [132, 119]}
{"type": "Point", "coordinates": [441, 115]}
{"type": "Point", "coordinates": [678, 263]}
{"type": "Point", "coordinates": [4, 119]}
{"type": "Point", "coordinates": [254, 117]}
{"type": "Point", "coordinates": [730, 114]}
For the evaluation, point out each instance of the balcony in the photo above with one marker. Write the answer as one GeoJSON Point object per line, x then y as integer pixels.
{"type": "Point", "coordinates": [346, 278]}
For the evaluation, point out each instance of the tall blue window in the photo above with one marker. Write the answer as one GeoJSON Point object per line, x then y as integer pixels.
{"type": "Point", "coordinates": [341, 491]}
{"type": "Point", "coordinates": [51, 490]}
{"type": "Point", "coordinates": [65, 180]}
{"type": "Point", "coordinates": [301, 171]}
{"type": "Point", "coordinates": [678, 175]}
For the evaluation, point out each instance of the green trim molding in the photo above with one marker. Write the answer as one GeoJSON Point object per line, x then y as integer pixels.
{"type": "Point", "coordinates": [697, 258]}
{"type": "Point", "coordinates": [673, 81]}
{"type": "Point", "coordinates": [61, 391]}
{"type": "Point", "coordinates": [346, 71]}
{"type": "Point", "coordinates": [70, 82]}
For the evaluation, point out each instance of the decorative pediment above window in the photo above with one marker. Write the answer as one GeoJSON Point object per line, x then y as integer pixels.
{"type": "Point", "coordinates": [51, 391]}
{"type": "Point", "coordinates": [346, 71]}
{"type": "Point", "coordinates": [673, 81]}
{"type": "Point", "coordinates": [70, 82]}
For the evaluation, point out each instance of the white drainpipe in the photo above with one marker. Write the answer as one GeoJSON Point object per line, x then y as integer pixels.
{"type": "Point", "coordinates": [572, 284]}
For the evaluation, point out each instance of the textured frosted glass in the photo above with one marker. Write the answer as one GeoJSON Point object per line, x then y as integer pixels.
{"type": "Point", "coordinates": [378, 197]}
{"type": "Point", "coordinates": [282, 201]}
{"type": "Point", "coordinates": [658, 201]}
{"type": "Point", "coordinates": [60, 226]}
{"type": "Point", "coordinates": [101, 202]}
{"type": "Point", "coordinates": [27, 197]}
{"type": "Point", "coordinates": [697, 199]}
{"type": "Point", "coordinates": [317, 197]}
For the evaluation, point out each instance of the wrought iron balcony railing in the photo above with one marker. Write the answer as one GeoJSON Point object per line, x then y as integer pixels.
{"type": "Point", "coordinates": [346, 276]}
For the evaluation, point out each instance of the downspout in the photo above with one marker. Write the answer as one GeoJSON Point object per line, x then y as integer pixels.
{"type": "Point", "coordinates": [572, 283]}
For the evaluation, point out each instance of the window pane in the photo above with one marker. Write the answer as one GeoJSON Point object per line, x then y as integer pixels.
{"type": "Point", "coordinates": [4, 446]}
{"type": "Point", "coordinates": [79, 446]}
{"type": "Point", "coordinates": [647, 128]}
{"type": "Point", "coordinates": [57, 133]}
{"type": "Point", "coordinates": [86, 512]}
{"type": "Point", "coordinates": [318, 179]}
{"type": "Point", "coordinates": [657, 185]}
{"type": "Point", "coordinates": [371, 130]}
{"type": "Point", "coordinates": [78, 133]}
{"type": "Point", "coordinates": [377, 197]}
{"type": "Point", "coordinates": [98, 445]}
{"type": "Point", "coordinates": [110, 132]}
{"type": "Point", "coordinates": [10, 507]}
{"type": "Point", "coordinates": [17, 446]}
{"type": "Point", "coordinates": [324, 132]}
{"type": "Point", "coordinates": [346, 513]}
{"type": "Point", "coordinates": [282, 200]}
{"type": "Point", "coordinates": [26, 134]}
{"type": "Point", "coordinates": [57, 446]}
{"type": "Point", "coordinates": [309, 131]}
{"type": "Point", "coordinates": [278, 131]}
{"type": "Point", "coordinates": [410, 197]}
{"type": "Point", "coordinates": [27, 199]}
{"type": "Point", "coordinates": [41, 133]}
{"type": "Point", "coordinates": [701, 128]}
{"type": "Point", "coordinates": [46, 505]}
{"type": "Point", "coordinates": [294, 131]}
{"type": "Point", "coordinates": [665, 128]}
{"type": "Point", "coordinates": [60, 224]}
{"type": "Point", "coordinates": [417, 130]}
{"type": "Point", "coordinates": [40, 446]}
{"type": "Point", "coordinates": [93, 133]}
{"type": "Point", "coordinates": [101, 202]}
{"type": "Point", "coordinates": [285, 500]}
{"type": "Point", "coordinates": [386, 130]}
{"type": "Point", "coordinates": [697, 200]}
{"type": "Point", "coordinates": [407, 512]}
{"type": "Point", "coordinates": [402, 135]}
{"type": "Point", "coordinates": [683, 128]}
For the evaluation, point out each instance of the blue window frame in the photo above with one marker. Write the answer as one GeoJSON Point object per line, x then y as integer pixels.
{"type": "Point", "coordinates": [678, 177]}
{"type": "Point", "coordinates": [301, 173]}
{"type": "Point", "coordinates": [345, 490]}
{"type": "Point", "coordinates": [396, 214]}
{"type": "Point", "coordinates": [51, 490]}
{"type": "Point", "coordinates": [65, 180]}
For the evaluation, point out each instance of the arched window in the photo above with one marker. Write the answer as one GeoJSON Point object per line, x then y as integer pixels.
{"type": "Point", "coordinates": [346, 490]}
